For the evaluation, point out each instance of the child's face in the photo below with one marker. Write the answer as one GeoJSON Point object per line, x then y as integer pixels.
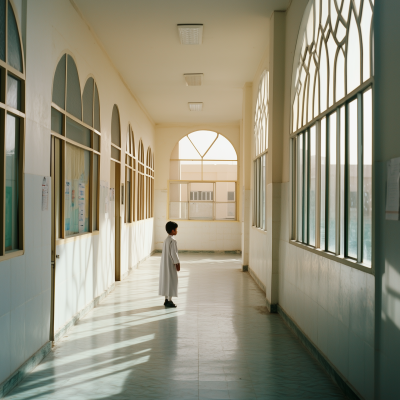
{"type": "Point", "coordinates": [174, 232]}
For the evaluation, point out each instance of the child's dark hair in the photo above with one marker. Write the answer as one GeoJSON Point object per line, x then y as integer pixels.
{"type": "Point", "coordinates": [170, 226]}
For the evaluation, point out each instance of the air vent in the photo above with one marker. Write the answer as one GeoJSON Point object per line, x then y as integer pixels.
{"type": "Point", "coordinates": [195, 106]}
{"type": "Point", "coordinates": [193, 79]}
{"type": "Point", "coordinates": [191, 34]}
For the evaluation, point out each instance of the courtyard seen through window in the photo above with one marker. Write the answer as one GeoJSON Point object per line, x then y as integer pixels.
{"type": "Point", "coordinates": [203, 178]}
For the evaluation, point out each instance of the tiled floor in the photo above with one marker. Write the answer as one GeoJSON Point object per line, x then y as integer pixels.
{"type": "Point", "coordinates": [220, 343]}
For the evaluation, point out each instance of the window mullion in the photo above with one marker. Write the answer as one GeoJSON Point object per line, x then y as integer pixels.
{"type": "Point", "coordinates": [318, 186]}
{"type": "Point", "coordinates": [346, 182]}
{"type": "Point", "coordinates": [327, 169]}
{"type": "Point", "coordinates": [337, 192]}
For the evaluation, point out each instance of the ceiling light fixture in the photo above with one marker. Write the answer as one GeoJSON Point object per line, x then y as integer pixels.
{"type": "Point", "coordinates": [191, 33]}
{"type": "Point", "coordinates": [193, 79]}
{"type": "Point", "coordinates": [195, 106]}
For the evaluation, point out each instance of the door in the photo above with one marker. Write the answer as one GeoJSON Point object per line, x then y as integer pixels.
{"type": "Point", "coordinates": [115, 204]}
{"type": "Point", "coordinates": [56, 216]}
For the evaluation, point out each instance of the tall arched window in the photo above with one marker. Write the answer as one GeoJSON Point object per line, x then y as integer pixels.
{"type": "Point", "coordinates": [149, 183]}
{"type": "Point", "coordinates": [115, 135]}
{"type": "Point", "coordinates": [332, 128]}
{"type": "Point", "coordinates": [141, 176]}
{"type": "Point", "coordinates": [75, 125]}
{"type": "Point", "coordinates": [12, 126]}
{"type": "Point", "coordinates": [130, 175]}
{"type": "Point", "coordinates": [261, 153]}
{"type": "Point", "coordinates": [203, 178]}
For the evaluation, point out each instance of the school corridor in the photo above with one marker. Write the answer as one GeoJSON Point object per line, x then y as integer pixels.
{"type": "Point", "coordinates": [219, 343]}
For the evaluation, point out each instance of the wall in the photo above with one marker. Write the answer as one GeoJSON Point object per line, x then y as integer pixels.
{"type": "Point", "coordinates": [332, 303]}
{"type": "Point", "coordinates": [387, 233]}
{"type": "Point", "coordinates": [85, 269]}
{"type": "Point", "coordinates": [193, 235]}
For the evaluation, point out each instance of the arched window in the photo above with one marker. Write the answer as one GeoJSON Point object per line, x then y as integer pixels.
{"type": "Point", "coordinates": [261, 153]}
{"type": "Point", "coordinates": [149, 183]}
{"type": "Point", "coordinates": [12, 126]}
{"type": "Point", "coordinates": [75, 125]}
{"type": "Point", "coordinates": [141, 176]}
{"type": "Point", "coordinates": [332, 128]}
{"type": "Point", "coordinates": [130, 175]}
{"type": "Point", "coordinates": [115, 135]}
{"type": "Point", "coordinates": [203, 178]}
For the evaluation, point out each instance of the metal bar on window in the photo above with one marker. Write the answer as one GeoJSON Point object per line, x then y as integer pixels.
{"type": "Point", "coordinates": [360, 181]}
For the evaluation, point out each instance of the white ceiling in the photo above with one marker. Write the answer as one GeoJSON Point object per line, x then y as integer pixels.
{"type": "Point", "coordinates": [141, 38]}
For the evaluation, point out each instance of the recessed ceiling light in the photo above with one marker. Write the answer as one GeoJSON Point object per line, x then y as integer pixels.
{"type": "Point", "coordinates": [195, 106]}
{"type": "Point", "coordinates": [191, 33]}
{"type": "Point", "coordinates": [193, 79]}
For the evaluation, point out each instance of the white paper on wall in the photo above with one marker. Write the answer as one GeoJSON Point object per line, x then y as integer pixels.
{"type": "Point", "coordinates": [393, 192]}
{"type": "Point", "coordinates": [81, 204]}
{"type": "Point", "coordinates": [45, 194]}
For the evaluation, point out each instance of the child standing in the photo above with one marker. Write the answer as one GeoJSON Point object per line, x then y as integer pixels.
{"type": "Point", "coordinates": [169, 266]}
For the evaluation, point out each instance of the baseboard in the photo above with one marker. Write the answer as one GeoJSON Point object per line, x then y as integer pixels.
{"type": "Point", "coordinates": [335, 375]}
{"type": "Point", "coordinates": [80, 314]}
{"type": "Point", "coordinates": [206, 251]}
{"type": "Point", "coordinates": [245, 268]}
{"type": "Point", "coordinates": [24, 370]}
{"type": "Point", "coordinates": [257, 280]}
{"type": "Point", "coordinates": [136, 266]}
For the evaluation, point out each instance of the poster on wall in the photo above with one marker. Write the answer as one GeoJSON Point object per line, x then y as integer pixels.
{"type": "Point", "coordinates": [393, 191]}
{"type": "Point", "coordinates": [81, 204]}
{"type": "Point", "coordinates": [45, 194]}
{"type": "Point", "coordinates": [67, 205]}
{"type": "Point", "coordinates": [112, 194]}
{"type": "Point", "coordinates": [104, 197]}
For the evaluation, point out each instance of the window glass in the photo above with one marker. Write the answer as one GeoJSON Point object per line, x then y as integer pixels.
{"type": "Point", "coordinates": [352, 201]}
{"type": "Point", "coordinates": [178, 210]}
{"type": "Point", "coordinates": [96, 109]}
{"type": "Point", "coordinates": [219, 170]}
{"type": "Point", "coordinates": [323, 185]}
{"type": "Point", "coordinates": [300, 175]}
{"type": "Point", "coordinates": [56, 121]}
{"type": "Point", "coordinates": [115, 153]}
{"type": "Point", "coordinates": [202, 140]}
{"type": "Point", "coordinates": [96, 142]}
{"type": "Point", "coordinates": [59, 83]}
{"type": "Point", "coordinates": [12, 183]}
{"type": "Point", "coordinates": [225, 211]}
{"type": "Point", "coordinates": [367, 178]}
{"type": "Point", "coordinates": [115, 127]}
{"type": "Point", "coordinates": [14, 45]}
{"type": "Point", "coordinates": [3, 30]}
{"type": "Point", "coordinates": [313, 179]}
{"type": "Point", "coordinates": [222, 149]}
{"type": "Point", "coordinates": [77, 189]}
{"type": "Point", "coordinates": [342, 178]}
{"type": "Point", "coordinates": [332, 185]}
{"type": "Point", "coordinates": [128, 195]}
{"type": "Point", "coordinates": [77, 132]}
{"type": "Point", "coordinates": [74, 104]}
{"type": "Point", "coordinates": [87, 102]}
{"type": "Point", "coordinates": [13, 92]}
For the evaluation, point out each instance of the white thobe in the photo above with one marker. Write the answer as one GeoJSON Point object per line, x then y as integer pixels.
{"type": "Point", "coordinates": [168, 273]}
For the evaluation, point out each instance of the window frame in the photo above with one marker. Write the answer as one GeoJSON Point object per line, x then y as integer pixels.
{"type": "Point", "coordinates": [64, 140]}
{"type": "Point", "coordinates": [141, 175]}
{"type": "Point", "coordinates": [5, 109]}
{"type": "Point", "coordinates": [130, 165]}
{"type": "Point", "coordinates": [149, 184]}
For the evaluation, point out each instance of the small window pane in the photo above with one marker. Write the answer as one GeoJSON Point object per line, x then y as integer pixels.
{"type": "Point", "coordinates": [95, 191]}
{"type": "Point", "coordinates": [352, 201]}
{"type": "Point", "coordinates": [56, 121]}
{"type": "Point", "coordinates": [74, 104]}
{"type": "Point", "coordinates": [185, 170]}
{"type": "Point", "coordinates": [77, 132]}
{"type": "Point", "coordinates": [115, 127]}
{"type": "Point", "coordinates": [313, 175]}
{"type": "Point", "coordinates": [59, 84]}
{"type": "Point", "coordinates": [219, 170]}
{"type": "Point", "coordinates": [77, 189]}
{"type": "Point", "coordinates": [178, 210]}
{"type": "Point", "coordinates": [3, 30]}
{"type": "Point", "coordinates": [323, 184]}
{"type": "Point", "coordinates": [14, 45]}
{"type": "Point", "coordinates": [178, 192]}
{"type": "Point", "coordinates": [96, 109]}
{"type": "Point", "coordinates": [87, 100]}
{"type": "Point", "coordinates": [225, 211]}
{"type": "Point", "coordinates": [128, 195]}
{"type": "Point", "coordinates": [262, 192]}
{"type": "Point", "coordinates": [300, 175]}
{"type": "Point", "coordinates": [96, 142]}
{"type": "Point", "coordinates": [201, 210]}
{"type": "Point", "coordinates": [115, 153]}
{"type": "Point", "coordinates": [305, 188]}
{"type": "Point", "coordinates": [225, 191]}
{"type": "Point", "coordinates": [332, 185]}
{"type": "Point", "coordinates": [342, 177]}
{"type": "Point", "coordinates": [58, 187]}
{"type": "Point", "coordinates": [12, 184]}
{"type": "Point", "coordinates": [367, 183]}
{"type": "Point", "coordinates": [13, 92]}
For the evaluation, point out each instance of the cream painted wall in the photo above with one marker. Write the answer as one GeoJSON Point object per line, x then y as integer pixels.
{"type": "Point", "coordinates": [227, 233]}
{"type": "Point", "coordinates": [85, 268]}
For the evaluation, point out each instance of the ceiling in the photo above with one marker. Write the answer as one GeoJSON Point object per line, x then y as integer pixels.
{"type": "Point", "coordinates": [141, 38]}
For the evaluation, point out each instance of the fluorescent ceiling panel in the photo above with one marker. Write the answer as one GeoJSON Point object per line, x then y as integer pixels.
{"type": "Point", "coordinates": [191, 34]}
{"type": "Point", "coordinates": [193, 79]}
{"type": "Point", "coordinates": [195, 106]}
